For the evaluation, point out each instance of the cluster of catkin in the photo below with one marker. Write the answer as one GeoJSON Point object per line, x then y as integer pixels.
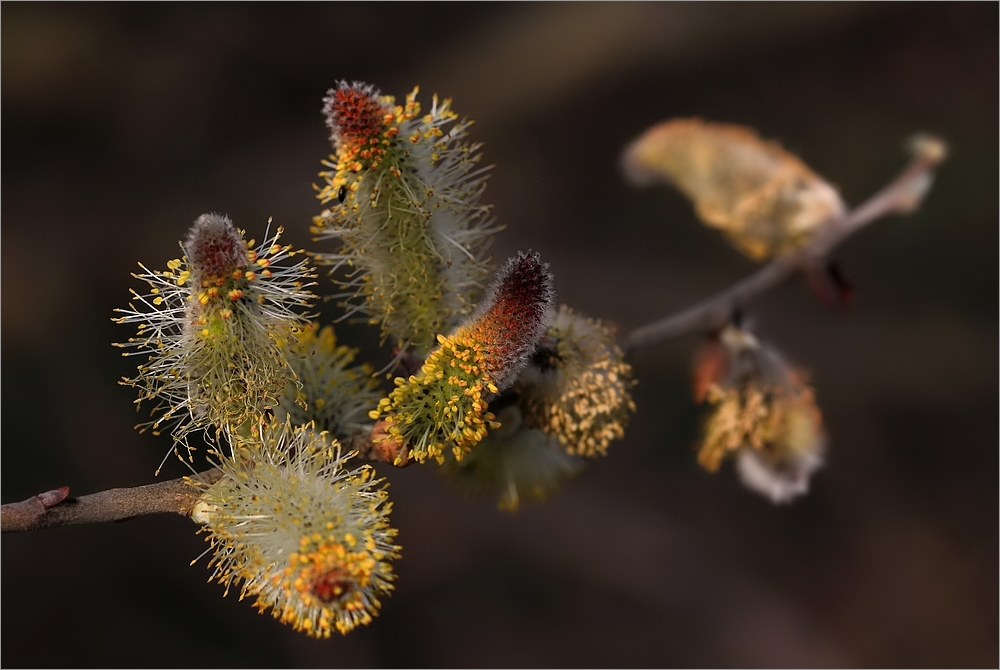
{"type": "Point", "coordinates": [507, 393]}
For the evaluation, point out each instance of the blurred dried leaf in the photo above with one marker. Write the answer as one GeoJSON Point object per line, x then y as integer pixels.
{"type": "Point", "coordinates": [765, 200]}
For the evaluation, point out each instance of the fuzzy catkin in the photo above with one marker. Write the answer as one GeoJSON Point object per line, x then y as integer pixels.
{"type": "Point", "coordinates": [291, 525]}
{"type": "Point", "coordinates": [402, 197]}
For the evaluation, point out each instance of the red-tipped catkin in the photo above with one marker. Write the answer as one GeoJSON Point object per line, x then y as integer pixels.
{"type": "Point", "coordinates": [402, 201]}
{"type": "Point", "coordinates": [215, 248]}
{"type": "Point", "coordinates": [215, 327]}
{"type": "Point", "coordinates": [353, 113]}
{"type": "Point", "coordinates": [444, 406]}
{"type": "Point", "coordinates": [513, 316]}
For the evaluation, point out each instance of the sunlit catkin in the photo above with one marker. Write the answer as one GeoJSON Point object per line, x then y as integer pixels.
{"type": "Point", "coordinates": [444, 405]}
{"type": "Point", "coordinates": [214, 327]}
{"type": "Point", "coordinates": [293, 527]}
{"type": "Point", "coordinates": [402, 197]}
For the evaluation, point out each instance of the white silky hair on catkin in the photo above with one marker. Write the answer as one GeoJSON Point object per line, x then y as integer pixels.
{"type": "Point", "coordinates": [781, 484]}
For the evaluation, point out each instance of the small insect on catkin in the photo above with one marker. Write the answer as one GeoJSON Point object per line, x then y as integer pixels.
{"type": "Point", "coordinates": [214, 326]}
{"type": "Point", "coordinates": [444, 405]}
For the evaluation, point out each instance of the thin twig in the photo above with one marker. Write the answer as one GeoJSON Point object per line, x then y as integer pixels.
{"type": "Point", "coordinates": [902, 195]}
{"type": "Point", "coordinates": [55, 508]}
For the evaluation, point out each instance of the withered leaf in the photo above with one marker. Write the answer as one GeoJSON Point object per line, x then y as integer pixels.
{"type": "Point", "coordinates": [765, 200]}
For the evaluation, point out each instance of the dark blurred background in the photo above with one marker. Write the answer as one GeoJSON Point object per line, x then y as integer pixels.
{"type": "Point", "coordinates": [123, 122]}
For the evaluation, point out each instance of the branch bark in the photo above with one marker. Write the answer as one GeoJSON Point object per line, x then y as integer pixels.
{"type": "Point", "coordinates": [56, 508]}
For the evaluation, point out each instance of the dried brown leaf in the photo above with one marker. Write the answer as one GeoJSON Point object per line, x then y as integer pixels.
{"type": "Point", "coordinates": [765, 200]}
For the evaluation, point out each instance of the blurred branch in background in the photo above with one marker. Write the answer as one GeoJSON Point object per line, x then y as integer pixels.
{"type": "Point", "coordinates": [903, 195]}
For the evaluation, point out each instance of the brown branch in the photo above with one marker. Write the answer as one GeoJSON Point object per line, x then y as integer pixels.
{"type": "Point", "coordinates": [56, 508]}
{"type": "Point", "coordinates": [902, 195]}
